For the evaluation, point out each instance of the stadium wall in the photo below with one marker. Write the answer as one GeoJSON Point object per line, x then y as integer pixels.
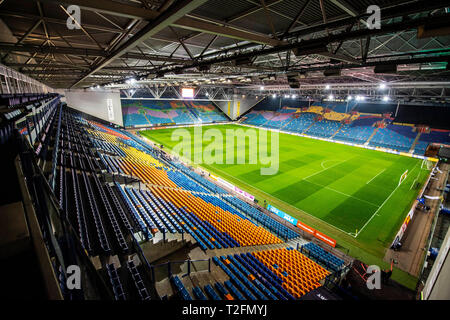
{"type": "Point", "coordinates": [238, 106]}
{"type": "Point", "coordinates": [436, 286]}
{"type": "Point", "coordinates": [104, 105]}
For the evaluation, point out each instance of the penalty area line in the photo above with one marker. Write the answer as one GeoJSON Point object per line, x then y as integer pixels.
{"type": "Point", "coordinates": [375, 176]}
{"type": "Point", "coordinates": [381, 206]}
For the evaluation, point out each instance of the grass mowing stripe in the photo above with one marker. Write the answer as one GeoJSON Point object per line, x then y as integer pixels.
{"type": "Point", "coordinates": [311, 215]}
{"type": "Point", "coordinates": [344, 194]}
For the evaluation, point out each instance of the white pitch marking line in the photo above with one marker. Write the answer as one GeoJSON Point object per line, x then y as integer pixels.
{"type": "Point", "coordinates": [375, 213]}
{"type": "Point", "coordinates": [325, 169]}
{"type": "Point", "coordinates": [375, 176]}
{"type": "Point", "coordinates": [288, 204]}
{"type": "Point", "coordinates": [325, 161]}
{"type": "Point", "coordinates": [347, 195]}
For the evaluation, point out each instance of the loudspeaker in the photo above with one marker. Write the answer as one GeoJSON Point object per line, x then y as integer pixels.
{"type": "Point", "coordinates": [242, 61]}
{"type": "Point", "coordinates": [302, 50]}
{"type": "Point", "coordinates": [292, 79]}
{"type": "Point", "coordinates": [385, 68]}
{"type": "Point", "coordinates": [332, 73]}
{"type": "Point", "coordinates": [204, 68]}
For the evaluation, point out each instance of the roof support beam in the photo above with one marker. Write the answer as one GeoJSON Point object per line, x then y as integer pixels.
{"type": "Point", "coordinates": [172, 14]}
{"type": "Point", "coordinates": [311, 43]}
{"type": "Point", "coordinates": [124, 10]}
{"type": "Point", "coordinates": [111, 7]}
{"type": "Point", "coordinates": [13, 47]}
{"type": "Point", "coordinates": [206, 27]}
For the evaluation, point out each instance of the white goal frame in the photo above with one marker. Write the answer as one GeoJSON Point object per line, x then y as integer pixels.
{"type": "Point", "coordinates": [403, 177]}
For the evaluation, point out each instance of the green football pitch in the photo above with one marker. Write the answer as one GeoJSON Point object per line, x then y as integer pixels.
{"type": "Point", "coordinates": [351, 194]}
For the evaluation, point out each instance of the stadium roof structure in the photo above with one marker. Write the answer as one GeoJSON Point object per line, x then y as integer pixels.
{"type": "Point", "coordinates": [240, 43]}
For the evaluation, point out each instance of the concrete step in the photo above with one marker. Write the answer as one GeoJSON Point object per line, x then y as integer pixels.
{"type": "Point", "coordinates": [371, 136]}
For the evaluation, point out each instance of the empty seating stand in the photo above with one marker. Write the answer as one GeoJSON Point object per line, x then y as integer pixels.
{"type": "Point", "coordinates": [137, 280]}
{"type": "Point", "coordinates": [198, 294]}
{"type": "Point", "coordinates": [116, 284]}
{"type": "Point", "coordinates": [330, 261]}
{"type": "Point", "coordinates": [180, 288]}
{"type": "Point", "coordinates": [212, 294]}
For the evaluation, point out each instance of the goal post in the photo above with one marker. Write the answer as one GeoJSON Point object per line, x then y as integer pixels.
{"type": "Point", "coordinates": [427, 164]}
{"type": "Point", "coordinates": [403, 177]}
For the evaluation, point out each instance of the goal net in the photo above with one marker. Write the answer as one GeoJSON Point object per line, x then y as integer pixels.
{"type": "Point", "coordinates": [427, 164]}
{"type": "Point", "coordinates": [403, 177]}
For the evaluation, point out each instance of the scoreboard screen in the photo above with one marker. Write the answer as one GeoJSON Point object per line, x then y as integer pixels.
{"type": "Point", "coordinates": [187, 93]}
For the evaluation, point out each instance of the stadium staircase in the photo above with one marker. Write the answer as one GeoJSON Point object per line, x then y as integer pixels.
{"type": "Point", "coordinates": [227, 251]}
{"type": "Point", "coordinates": [371, 136]}
{"type": "Point", "coordinates": [264, 123]}
{"type": "Point", "coordinates": [287, 122]}
{"type": "Point", "coordinates": [339, 129]}
{"type": "Point", "coordinates": [192, 114]}
{"type": "Point", "coordinates": [413, 146]}
{"type": "Point", "coordinates": [304, 131]}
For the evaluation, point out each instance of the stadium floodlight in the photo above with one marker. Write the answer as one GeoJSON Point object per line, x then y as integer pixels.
{"type": "Point", "coordinates": [349, 98]}
{"type": "Point", "coordinates": [358, 98]}
{"type": "Point", "coordinates": [363, 98]}
{"type": "Point", "coordinates": [327, 87]}
{"type": "Point", "coordinates": [382, 86]}
{"type": "Point", "coordinates": [330, 97]}
{"type": "Point", "coordinates": [386, 98]}
{"type": "Point", "coordinates": [207, 94]}
{"type": "Point", "coordinates": [294, 96]}
{"type": "Point", "coordinates": [274, 95]}
{"type": "Point", "coordinates": [286, 96]}
{"type": "Point", "coordinates": [261, 88]}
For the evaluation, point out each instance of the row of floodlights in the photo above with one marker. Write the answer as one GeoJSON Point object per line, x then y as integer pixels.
{"type": "Point", "coordinates": [333, 98]}
{"type": "Point", "coordinates": [381, 86]}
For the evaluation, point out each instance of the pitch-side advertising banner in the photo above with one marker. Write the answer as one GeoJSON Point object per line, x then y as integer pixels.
{"type": "Point", "coordinates": [304, 227]}
{"type": "Point", "coordinates": [232, 187]}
